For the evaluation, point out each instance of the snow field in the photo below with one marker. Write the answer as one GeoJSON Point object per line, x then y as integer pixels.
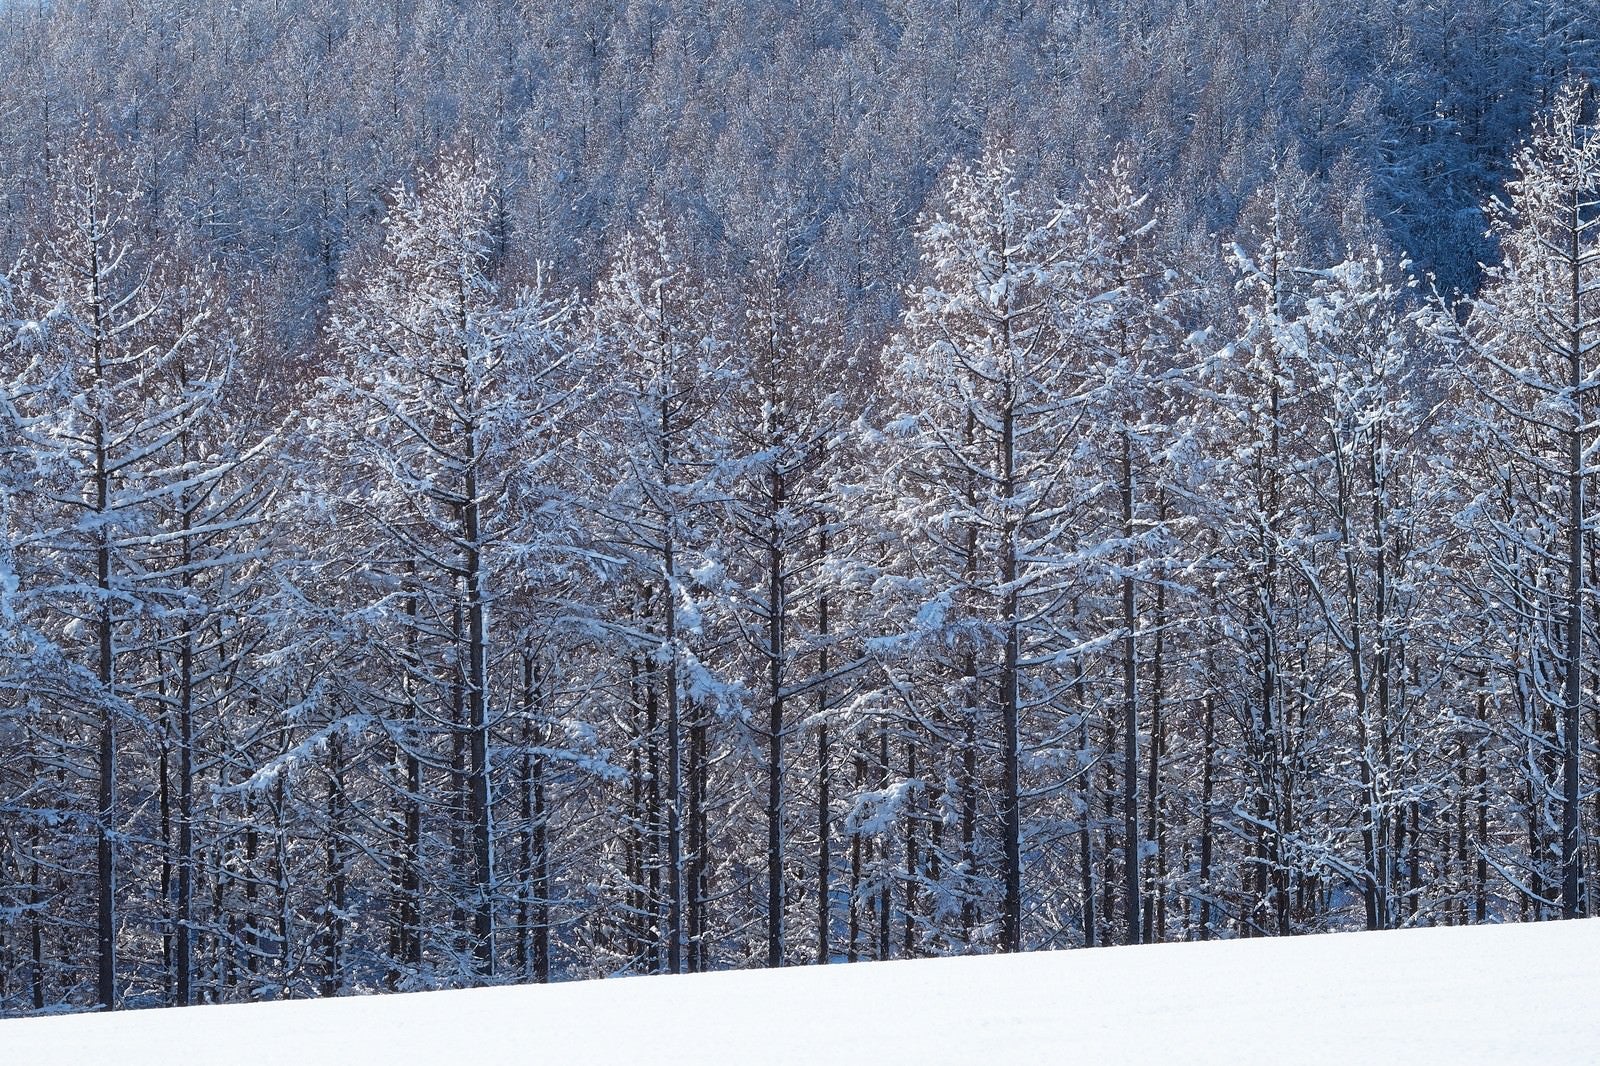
{"type": "Point", "coordinates": [1499, 995]}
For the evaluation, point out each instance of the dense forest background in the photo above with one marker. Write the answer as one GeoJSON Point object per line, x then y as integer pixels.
{"type": "Point", "coordinates": [492, 491]}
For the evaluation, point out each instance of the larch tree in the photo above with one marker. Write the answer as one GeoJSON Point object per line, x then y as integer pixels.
{"type": "Point", "coordinates": [1131, 355]}
{"type": "Point", "coordinates": [443, 407]}
{"type": "Point", "coordinates": [1373, 488]}
{"type": "Point", "coordinates": [202, 562]}
{"type": "Point", "coordinates": [1254, 407]}
{"type": "Point", "coordinates": [785, 423]}
{"type": "Point", "coordinates": [657, 366]}
{"type": "Point", "coordinates": [126, 362]}
{"type": "Point", "coordinates": [976, 456]}
{"type": "Point", "coordinates": [1531, 341]}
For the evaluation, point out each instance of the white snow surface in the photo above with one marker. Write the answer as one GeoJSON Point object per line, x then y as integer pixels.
{"type": "Point", "coordinates": [1500, 994]}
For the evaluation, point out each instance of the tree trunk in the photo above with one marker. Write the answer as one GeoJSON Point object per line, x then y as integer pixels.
{"type": "Point", "coordinates": [1010, 712]}
{"type": "Point", "coordinates": [824, 781]}
{"type": "Point", "coordinates": [1208, 744]}
{"type": "Point", "coordinates": [776, 610]}
{"type": "Point", "coordinates": [482, 802]}
{"type": "Point", "coordinates": [185, 901]}
{"type": "Point", "coordinates": [1572, 716]}
{"type": "Point", "coordinates": [105, 822]}
{"type": "Point", "coordinates": [1130, 710]}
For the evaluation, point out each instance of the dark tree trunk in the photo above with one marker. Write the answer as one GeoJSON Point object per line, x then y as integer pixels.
{"type": "Point", "coordinates": [1010, 711]}
{"type": "Point", "coordinates": [777, 609]}
{"type": "Point", "coordinates": [1572, 709]}
{"type": "Point", "coordinates": [477, 681]}
{"type": "Point", "coordinates": [1130, 711]}
{"type": "Point", "coordinates": [1207, 833]}
{"type": "Point", "coordinates": [106, 828]}
{"type": "Point", "coordinates": [824, 781]}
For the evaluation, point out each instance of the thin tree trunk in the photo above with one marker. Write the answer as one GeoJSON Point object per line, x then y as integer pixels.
{"type": "Point", "coordinates": [1480, 912]}
{"type": "Point", "coordinates": [675, 923]}
{"type": "Point", "coordinates": [1208, 744]}
{"type": "Point", "coordinates": [333, 929]}
{"type": "Point", "coordinates": [657, 823]}
{"type": "Point", "coordinates": [1130, 710]}
{"type": "Point", "coordinates": [105, 852]}
{"type": "Point", "coordinates": [854, 950]}
{"type": "Point", "coordinates": [969, 740]}
{"type": "Point", "coordinates": [1571, 843]}
{"type": "Point", "coordinates": [1086, 826]}
{"type": "Point", "coordinates": [699, 892]}
{"type": "Point", "coordinates": [824, 781]}
{"type": "Point", "coordinates": [481, 799]}
{"type": "Point", "coordinates": [1155, 905]}
{"type": "Point", "coordinates": [885, 891]}
{"type": "Point", "coordinates": [777, 609]}
{"type": "Point", "coordinates": [185, 901]}
{"type": "Point", "coordinates": [1010, 711]}
{"type": "Point", "coordinates": [908, 940]}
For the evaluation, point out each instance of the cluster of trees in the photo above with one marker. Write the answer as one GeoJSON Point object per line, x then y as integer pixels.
{"type": "Point", "coordinates": [271, 130]}
{"type": "Point", "coordinates": [414, 603]}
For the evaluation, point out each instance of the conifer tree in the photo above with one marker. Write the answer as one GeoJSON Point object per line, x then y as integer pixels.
{"type": "Point", "coordinates": [1532, 336]}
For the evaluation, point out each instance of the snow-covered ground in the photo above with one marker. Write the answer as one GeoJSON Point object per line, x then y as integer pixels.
{"type": "Point", "coordinates": [1500, 995]}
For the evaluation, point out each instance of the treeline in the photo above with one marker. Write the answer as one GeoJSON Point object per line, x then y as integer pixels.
{"type": "Point", "coordinates": [503, 634]}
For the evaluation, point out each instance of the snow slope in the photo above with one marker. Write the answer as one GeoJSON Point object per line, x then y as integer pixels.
{"type": "Point", "coordinates": [1502, 995]}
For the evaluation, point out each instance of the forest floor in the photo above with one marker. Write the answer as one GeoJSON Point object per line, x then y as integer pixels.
{"type": "Point", "coordinates": [1494, 995]}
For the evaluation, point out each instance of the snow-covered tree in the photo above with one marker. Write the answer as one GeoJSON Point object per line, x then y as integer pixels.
{"type": "Point", "coordinates": [444, 411]}
{"type": "Point", "coordinates": [976, 473]}
{"type": "Point", "coordinates": [655, 455]}
{"type": "Point", "coordinates": [1532, 337]}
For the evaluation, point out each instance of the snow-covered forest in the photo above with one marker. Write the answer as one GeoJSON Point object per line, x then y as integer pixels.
{"type": "Point", "coordinates": [498, 492]}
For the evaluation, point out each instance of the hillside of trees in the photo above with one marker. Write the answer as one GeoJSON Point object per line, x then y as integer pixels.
{"type": "Point", "coordinates": [496, 494]}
